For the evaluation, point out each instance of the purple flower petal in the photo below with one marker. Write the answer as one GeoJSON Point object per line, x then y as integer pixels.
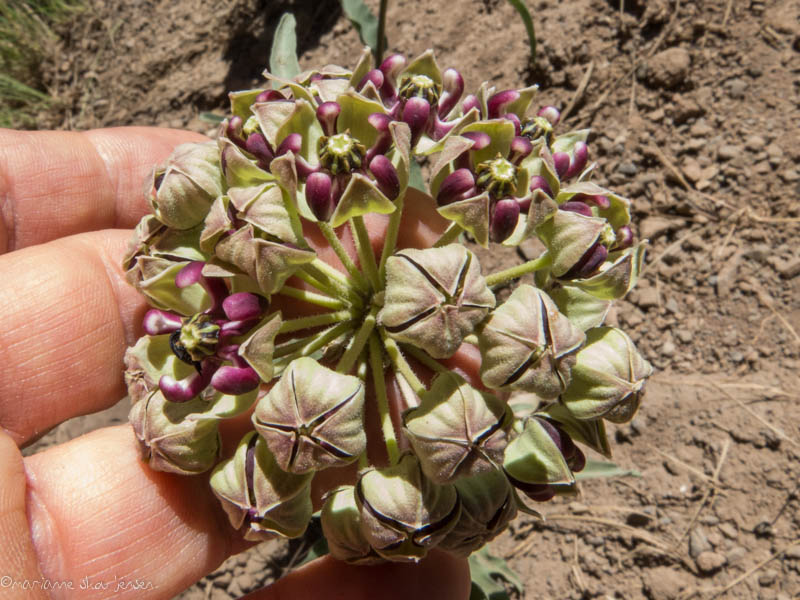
{"type": "Point", "coordinates": [391, 67]}
{"type": "Point", "coordinates": [291, 143]}
{"type": "Point", "coordinates": [453, 87]}
{"type": "Point", "coordinates": [459, 185]}
{"type": "Point", "coordinates": [234, 131]}
{"type": "Point", "coordinates": [588, 264]}
{"type": "Point", "coordinates": [188, 387]}
{"type": "Point", "coordinates": [191, 273]}
{"type": "Point", "coordinates": [480, 139]}
{"type": "Point", "coordinates": [624, 238]}
{"type": "Point", "coordinates": [496, 105]}
{"type": "Point", "coordinates": [270, 96]}
{"type": "Point", "coordinates": [551, 113]}
{"type": "Point", "coordinates": [241, 306]}
{"type": "Point", "coordinates": [520, 148]}
{"type": "Point", "coordinates": [258, 146]}
{"type": "Point", "coordinates": [159, 322]}
{"type": "Point", "coordinates": [577, 207]}
{"type": "Point", "coordinates": [540, 183]}
{"type": "Point", "coordinates": [504, 219]}
{"type": "Point", "coordinates": [319, 197]}
{"type": "Point", "coordinates": [385, 176]}
{"type": "Point", "coordinates": [515, 120]}
{"type": "Point", "coordinates": [598, 200]}
{"type": "Point", "coordinates": [327, 113]}
{"type": "Point", "coordinates": [235, 380]}
{"type": "Point", "coordinates": [375, 76]}
{"type": "Point", "coordinates": [562, 162]}
{"type": "Point", "coordinates": [471, 101]}
{"type": "Point", "coordinates": [580, 154]}
{"type": "Point", "coordinates": [415, 113]}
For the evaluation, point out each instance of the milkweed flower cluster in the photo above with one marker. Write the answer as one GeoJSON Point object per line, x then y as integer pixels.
{"type": "Point", "coordinates": [247, 319]}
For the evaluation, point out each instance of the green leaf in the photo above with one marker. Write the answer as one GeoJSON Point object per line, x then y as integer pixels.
{"type": "Point", "coordinates": [363, 20]}
{"type": "Point", "coordinates": [519, 5]}
{"type": "Point", "coordinates": [599, 468]}
{"type": "Point", "coordinates": [415, 177]}
{"type": "Point", "coordinates": [487, 570]}
{"type": "Point", "coordinates": [283, 56]}
{"type": "Point", "coordinates": [210, 117]}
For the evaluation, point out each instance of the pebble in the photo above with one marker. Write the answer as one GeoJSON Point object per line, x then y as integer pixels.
{"type": "Point", "coordinates": [736, 554]}
{"type": "Point", "coordinates": [691, 169]}
{"type": "Point", "coordinates": [767, 578]}
{"type": "Point", "coordinates": [789, 269]}
{"type": "Point", "coordinates": [728, 151]}
{"type": "Point", "coordinates": [729, 531]}
{"type": "Point", "coordinates": [648, 297]}
{"type": "Point", "coordinates": [663, 583]}
{"type": "Point", "coordinates": [668, 349]}
{"type": "Point", "coordinates": [737, 88]}
{"type": "Point", "coordinates": [669, 68]}
{"type": "Point", "coordinates": [710, 562]}
{"type": "Point", "coordinates": [684, 335]}
{"type": "Point", "coordinates": [793, 553]}
{"type": "Point", "coordinates": [578, 508]}
{"type": "Point", "coordinates": [628, 168]}
{"type": "Point", "coordinates": [698, 542]}
{"type": "Point", "coordinates": [672, 306]}
{"type": "Point", "coordinates": [701, 129]}
{"type": "Point", "coordinates": [756, 143]}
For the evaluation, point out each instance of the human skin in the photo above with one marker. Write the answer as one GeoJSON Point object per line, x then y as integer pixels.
{"type": "Point", "coordinates": [90, 508]}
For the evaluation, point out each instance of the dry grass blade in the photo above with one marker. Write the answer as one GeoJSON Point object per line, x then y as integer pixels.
{"type": "Point", "coordinates": [689, 468]}
{"type": "Point", "coordinates": [579, 92]}
{"type": "Point", "coordinates": [758, 567]}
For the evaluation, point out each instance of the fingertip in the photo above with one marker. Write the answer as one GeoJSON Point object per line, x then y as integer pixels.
{"type": "Point", "coordinates": [440, 576]}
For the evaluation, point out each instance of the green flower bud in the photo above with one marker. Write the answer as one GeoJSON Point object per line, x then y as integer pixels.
{"type": "Point", "coordinates": [608, 377]}
{"type": "Point", "coordinates": [487, 507]}
{"type": "Point", "coordinates": [434, 298]}
{"type": "Point", "coordinates": [313, 418]}
{"type": "Point", "coordinates": [341, 525]}
{"type": "Point", "coordinates": [403, 513]}
{"type": "Point", "coordinates": [171, 439]}
{"type": "Point", "coordinates": [182, 190]}
{"type": "Point", "coordinates": [526, 344]}
{"type": "Point", "coordinates": [457, 431]}
{"type": "Point", "coordinates": [258, 497]}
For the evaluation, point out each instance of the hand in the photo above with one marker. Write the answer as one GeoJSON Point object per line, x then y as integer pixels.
{"type": "Point", "coordinates": [90, 510]}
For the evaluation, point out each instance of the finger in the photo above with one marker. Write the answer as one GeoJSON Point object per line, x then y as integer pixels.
{"type": "Point", "coordinates": [440, 575]}
{"type": "Point", "coordinates": [68, 316]}
{"type": "Point", "coordinates": [57, 183]}
{"type": "Point", "coordinates": [18, 562]}
{"type": "Point", "coordinates": [99, 514]}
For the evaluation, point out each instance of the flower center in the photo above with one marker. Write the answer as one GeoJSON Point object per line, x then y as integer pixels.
{"type": "Point", "coordinates": [340, 153]}
{"type": "Point", "coordinates": [196, 339]}
{"type": "Point", "coordinates": [421, 86]}
{"type": "Point", "coordinates": [537, 127]}
{"type": "Point", "coordinates": [498, 177]}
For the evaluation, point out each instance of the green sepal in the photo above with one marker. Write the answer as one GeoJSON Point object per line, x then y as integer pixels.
{"type": "Point", "coordinates": [617, 214]}
{"type": "Point", "coordinates": [617, 276]}
{"type": "Point", "coordinates": [584, 310]}
{"type": "Point", "coordinates": [568, 235]}
{"type": "Point", "coordinates": [533, 457]}
{"type": "Point", "coordinates": [360, 197]}
{"type": "Point", "coordinates": [257, 349]}
{"type": "Point", "coordinates": [265, 207]}
{"type": "Point", "coordinates": [566, 142]}
{"type": "Point", "coordinates": [353, 117]}
{"type": "Point", "coordinates": [590, 433]}
{"type": "Point", "coordinates": [242, 100]}
{"type": "Point", "coordinates": [424, 64]}
{"type": "Point", "coordinates": [238, 168]}
{"type": "Point", "coordinates": [471, 215]}
{"type": "Point", "coordinates": [501, 132]}
{"type": "Point", "coordinates": [163, 292]}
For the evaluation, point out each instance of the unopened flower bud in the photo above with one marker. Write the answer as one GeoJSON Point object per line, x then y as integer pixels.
{"type": "Point", "coordinates": [527, 344]}
{"type": "Point", "coordinates": [503, 220]}
{"type": "Point", "coordinates": [259, 498]}
{"type": "Point", "coordinates": [385, 176]}
{"type": "Point", "coordinates": [580, 154]}
{"type": "Point", "coordinates": [327, 113]}
{"type": "Point", "coordinates": [497, 104]}
{"type": "Point", "coordinates": [183, 191]}
{"type": "Point", "coordinates": [458, 185]}
{"type": "Point", "coordinates": [551, 113]}
{"type": "Point", "coordinates": [561, 160]}
{"type": "Point", "coordinates": [403, 513]}
{"type": "Point", "coordinates": [341, 525]}
{"type": "Point", "coordinates": [457, 431]}
{"type": "Point", "coordinates": [540, 183]}
{"type": "Point", "coordinates": [415, 114]}
{"type": "Point", "coordinates": [487, 507]}
{"type": "Point", "coordinates": [434, 298]}
{"type": "Point", "coordinates": [608, 377]}
{"type": "Point", "coordinates": [170, 439]}
{"type": "Point", "coordinates": [319, 197]}
{"type": "Point", "coordinates": [258, 146]}
{"type": "Point", "coordinates": [588, 264]}
{"type": "Point", "coordinates": [453, 84]}
{"type": "Point", "coordinates": [313, 418]}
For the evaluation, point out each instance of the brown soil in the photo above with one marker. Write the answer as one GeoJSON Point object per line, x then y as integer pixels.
{"type": "Point", "coordinates": [695, 110]}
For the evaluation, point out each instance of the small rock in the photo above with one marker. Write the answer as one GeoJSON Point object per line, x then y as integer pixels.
{"type": "Point", "coordinates": [793, 553]}
{"type": "Point", "coordinates": [710, 562]}
{"type": "Point", "coordinates": [672, 306]}
{"type": "Point", "coordinates": [789, 269]}
{"type": "Point", "coordinates": [664, 583]}
{"type": "Point", "coordinates": [668, 349]}
{"type": "Point", "coordinates": [628, 168]}
{"type": "Point", "coordinates": [578, 508]}
{"type": "Point", "coordinates": [698, 542]}
{"type": "Point", "coordinates": [648, 298]}
{"type": "Point", "coordinates": [726, 278]}
{"type": "Point", "coordinates": [767, 578]}
{"type": "Point", "coordinates": [701, 129]}
{"type": "Point", "coordinates": [736, 554]}
{"type": "Point", "coordinates": [248, 581]}
{"type": "Point", "coordinates": [654, 227]}
{"type": "Point", "coordinates": [224, 579]}
{"type": "Point", "coordinates": [595, 540]}
{"type": "Point", "coordinates": [775, 151]}
{"type": "Point", "coordinates": [728, 151]}
{"type": "Point", "coordinates": [669, 68]}
{"type": "Point", "coordinates": [756, 143]}
{"type": "Point", "coordinates": [691, 170]}
{"type": "Point", "coordinates": [736, 88]}
{"type": "Point", "coordinates": [729, 531]}
{"type": "Point", "coordinates": [684, 335]}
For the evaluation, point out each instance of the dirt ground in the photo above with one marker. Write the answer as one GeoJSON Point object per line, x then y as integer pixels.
{"type": "Point", "coordinates": [695, 109]}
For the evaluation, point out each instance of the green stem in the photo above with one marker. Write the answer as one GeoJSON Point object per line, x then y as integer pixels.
{"type": "Point", "coordinates": [390, 241]}
{"type": "Point", "coordinates": [384, 415]}
{"type": "Point", "coordinates": [340, 251]}
{"type": "Point", "coordinates": [401, 364]}
{"type": "Point", "coordinates": [312, 298]}
{"type": "Point", "coordinates": [321, 277]}
{"type": "Point", "coordinates": [450, 235]}
{"type": "Point", "coordinates": [315, 321]}
{"type": "Point", "coordinates": [381, 32]}
{"type": "Point", "coordinates": [518, 271]}
{"type": "Point", "coordinates": [426, 359]}
{"type": "Point", "coordinates": [318, 341]}
{"type": "Point", "coordinates": [357, 344]}
{"type": "Point", "coordinates": [365, 254]}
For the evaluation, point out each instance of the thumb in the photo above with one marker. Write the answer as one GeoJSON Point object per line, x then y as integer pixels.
{"type": "Point", "coordinates": [440, 575]}
{"type": "Point", "coordinates": [19, 567]}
